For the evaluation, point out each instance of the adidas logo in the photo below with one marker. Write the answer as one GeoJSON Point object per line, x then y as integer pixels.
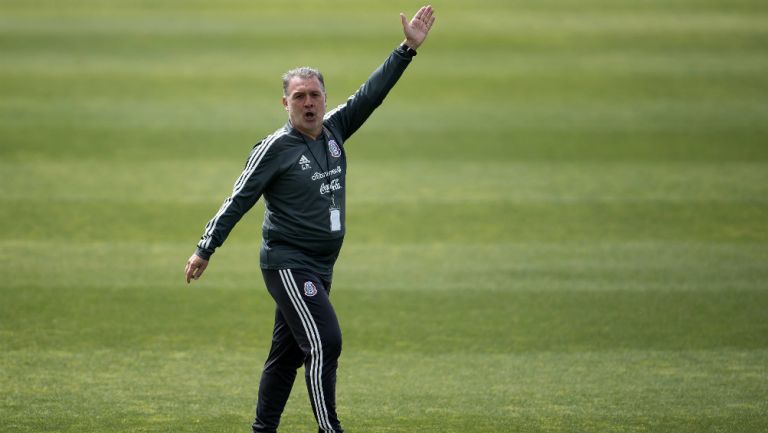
{"type": "Point", "coordinates": [304, 162]}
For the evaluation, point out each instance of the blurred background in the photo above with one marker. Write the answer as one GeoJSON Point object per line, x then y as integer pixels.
{"type": "Point", "coordinates": [557, 221]}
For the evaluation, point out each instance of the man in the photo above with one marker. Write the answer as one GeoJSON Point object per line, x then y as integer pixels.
{"type": "Point", "coordinates": [300, 169]}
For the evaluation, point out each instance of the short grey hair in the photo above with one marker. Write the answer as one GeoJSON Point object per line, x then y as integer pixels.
{"type": "Point", "coordinates": [302, 72]}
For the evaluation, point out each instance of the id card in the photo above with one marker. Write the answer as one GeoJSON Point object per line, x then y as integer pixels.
{"type": "Point", "coordinates": [335, 219]}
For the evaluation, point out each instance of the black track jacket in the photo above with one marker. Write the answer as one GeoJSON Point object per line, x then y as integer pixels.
{"type": "Point", "coordinates": [303, 183]}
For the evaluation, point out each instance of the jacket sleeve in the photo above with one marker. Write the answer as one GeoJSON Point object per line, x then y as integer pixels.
{"type": "Point", "coordinates": [261, 167]}
{"type": "Point", "coordinates": [349, 116]}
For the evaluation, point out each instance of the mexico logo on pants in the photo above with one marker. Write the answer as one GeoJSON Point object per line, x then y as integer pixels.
{"type": "Point", "coordinates": [310, 289]}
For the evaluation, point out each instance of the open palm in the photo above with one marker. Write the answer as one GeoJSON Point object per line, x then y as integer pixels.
{"type": "Point", "coordinates": [417, 29]}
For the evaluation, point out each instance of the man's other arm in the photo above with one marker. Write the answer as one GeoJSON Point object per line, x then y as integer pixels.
{"type": "Point", "coordinates": [259, 169]}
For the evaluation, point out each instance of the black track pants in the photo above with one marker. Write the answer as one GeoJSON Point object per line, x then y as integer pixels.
{"type": "Point", "coordinates": [306, 332]}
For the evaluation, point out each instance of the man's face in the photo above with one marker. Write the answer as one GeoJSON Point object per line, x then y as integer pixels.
{"type": "Point", "coordinates": [305, 104]}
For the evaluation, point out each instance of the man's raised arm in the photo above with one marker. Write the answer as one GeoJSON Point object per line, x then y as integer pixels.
{"type": "Point", "coordinates": [349, 116]}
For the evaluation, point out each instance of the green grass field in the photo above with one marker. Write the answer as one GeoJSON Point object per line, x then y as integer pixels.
{"type": "Point", "coordinates": [558, 221]}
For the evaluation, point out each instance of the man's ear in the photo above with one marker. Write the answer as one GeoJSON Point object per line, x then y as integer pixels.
{"type": "Point", "coordinates": [285, 103]}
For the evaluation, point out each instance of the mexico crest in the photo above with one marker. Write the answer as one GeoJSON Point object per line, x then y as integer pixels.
{"type": "Point", "coordinates": [310, 289]}
{"type": "Point", "coordinates": [334, 148]}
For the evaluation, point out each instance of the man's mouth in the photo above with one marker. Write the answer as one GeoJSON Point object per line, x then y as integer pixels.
{"type": "Point", "coordinates": [309, 115]}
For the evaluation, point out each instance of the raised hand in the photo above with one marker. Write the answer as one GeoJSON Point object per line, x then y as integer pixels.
{"type": "Point", "coordinates": [417, 29]}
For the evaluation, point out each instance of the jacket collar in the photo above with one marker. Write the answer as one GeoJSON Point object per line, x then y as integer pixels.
{"type": "Point", "coordinates": [301, 136]}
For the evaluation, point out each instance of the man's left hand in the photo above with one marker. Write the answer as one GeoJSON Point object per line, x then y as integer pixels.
{"type": "Point", "coordinates": [417, 29]}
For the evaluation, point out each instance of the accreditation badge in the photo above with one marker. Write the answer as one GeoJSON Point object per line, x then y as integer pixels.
{"type": "Point", "coordinates": [335, 219]}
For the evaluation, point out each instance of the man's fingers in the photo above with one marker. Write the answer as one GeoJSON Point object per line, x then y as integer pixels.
{"type": "Point", "coordinates": [420, 12]}
{"type": "Point", "coordinates": [193, 272]}
{"type": "Point", "coordinates": [189, 270]}
{"type": "Point", "coordinates": [427, 15]}
{"type": "Point", "coordinates": [195, 267]}
{"type": "Point", "coordinates": [404, 20]}
{"type": "Point", "coordinates": [188, 273]}
{"type": "Point", "coordinates": [199, 270]}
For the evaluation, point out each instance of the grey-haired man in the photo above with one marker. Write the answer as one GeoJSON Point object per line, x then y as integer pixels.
{"type": "Point", "coordinates": [300, 170]}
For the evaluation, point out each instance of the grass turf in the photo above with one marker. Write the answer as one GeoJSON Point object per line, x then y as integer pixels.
{"type": "Point", "coordinates": [557, 221]}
